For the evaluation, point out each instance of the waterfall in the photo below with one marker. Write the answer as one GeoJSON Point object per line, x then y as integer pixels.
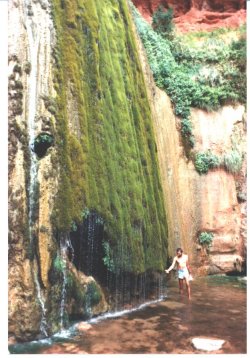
{"type": "Point", "coordinates": [33, 45]}
{"type": "Point", "coordinates": [43, 323]}
{"type": "Point", "coordinates": [160, 286]}
{"type": "Point", "coordinates": [91, 238]}
{"type": "Point", "coordinates": [124, 288]}
{"type": "Point", "coordinates": [33, 41]}
{"type": "Point", "coordinates": [65, 244]}
{"type": "Point", "coordinates": [63, 255]}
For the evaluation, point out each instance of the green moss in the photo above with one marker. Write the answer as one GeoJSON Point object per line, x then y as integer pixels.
{"type": "Point", "coordinates": [59, 264]}
{"type": "Point", "coordinates": [111, 166]}
{"type": "Point", "coordinates": [93, 294]}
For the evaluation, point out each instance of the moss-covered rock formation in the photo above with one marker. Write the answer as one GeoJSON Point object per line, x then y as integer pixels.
{"type": "Point", "coordinates": [82, 157]}
{"type": "Point", "coordinates": [106, 147]}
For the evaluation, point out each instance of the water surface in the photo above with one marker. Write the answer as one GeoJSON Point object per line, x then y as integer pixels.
{"type": "Point", "coordinates": [217, 310]}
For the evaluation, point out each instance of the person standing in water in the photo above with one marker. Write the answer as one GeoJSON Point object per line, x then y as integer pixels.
{"type": "Point", "coordinates": [183, 270]}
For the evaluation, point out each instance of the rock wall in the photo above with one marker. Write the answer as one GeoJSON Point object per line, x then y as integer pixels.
{"type": "Point", "coordinates": [25, 311]}
{"type": "Point", "coordinates": [201, 203]}
{"type": "Point", "coordinates": [81, 144]}
{"type": "Point", "coordinates": [198, 15]}
{"type": "Point", "coordinates": [30, 264]}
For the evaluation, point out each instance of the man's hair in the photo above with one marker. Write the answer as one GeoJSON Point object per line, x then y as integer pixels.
{"type": "Point", "coordinates": [179, 249]}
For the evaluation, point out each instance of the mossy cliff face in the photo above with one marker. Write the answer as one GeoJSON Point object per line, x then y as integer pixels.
{"type": "Point", "coordinates": [96, 152]}
{"type": "Point", "coordinates": [107, 152]}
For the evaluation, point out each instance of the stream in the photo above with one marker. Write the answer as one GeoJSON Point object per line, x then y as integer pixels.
{"type": "Point", "coordinates": [217, 310]}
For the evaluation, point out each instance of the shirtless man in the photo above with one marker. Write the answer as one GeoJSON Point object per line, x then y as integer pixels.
{"type": "Point", "coordinates": [183, 270]}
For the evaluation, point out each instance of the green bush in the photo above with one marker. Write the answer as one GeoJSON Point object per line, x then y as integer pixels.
{"type": "Point", "coordinates": [186, 127]}
{"type": "Point", "coordinates": [206, 238]}
{"type": "Point", "coordinates": [233, 161]}
{"type": "Point", "coordinates": [205, 76]}
{"type": "Point", "coordinates": [205, 161]}
{"type": "Point", "coordinates": [163, 21]}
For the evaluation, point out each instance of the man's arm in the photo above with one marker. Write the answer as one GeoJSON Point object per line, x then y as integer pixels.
{"type": "Point", "coordinates": [172, 266]}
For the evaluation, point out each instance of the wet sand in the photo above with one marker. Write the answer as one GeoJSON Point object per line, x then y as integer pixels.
{"type": "Point", "coordinates": [217, 310]}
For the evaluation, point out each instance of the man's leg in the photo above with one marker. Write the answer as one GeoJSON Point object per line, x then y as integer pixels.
{"type": "Point", "coordinates": [188, 288]}
{"type": "Point", "coordinates": [181, 286]}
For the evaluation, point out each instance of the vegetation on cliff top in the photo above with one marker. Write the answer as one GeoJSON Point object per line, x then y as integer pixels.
{"type": "Point", "coordinates": [110, 165]}
{"type": "Point", "coordinates": [206, 74]}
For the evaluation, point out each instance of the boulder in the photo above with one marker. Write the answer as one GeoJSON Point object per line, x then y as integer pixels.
{"type": "Point", "coordinates": [207, 344]}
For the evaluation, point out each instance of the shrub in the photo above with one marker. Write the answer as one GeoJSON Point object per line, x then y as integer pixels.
{"type": "Point", "coordinates": [191, 141]}
{"type": "Point", "coordinates": [206, 238]}
{"type": "Point", "coordinates": [205, 161]}
{"type": "Point", "coordinates": [193, 74]}
{"type": "Point", "coordinates": [186, 127]}
{"type": "Point", "coordinates": [233, 161]}
{"type": "Point", "coordinates": [163, 22]}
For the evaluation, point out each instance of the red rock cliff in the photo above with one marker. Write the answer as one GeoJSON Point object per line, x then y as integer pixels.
{"type": "Point", "coordinates": [195, 15]}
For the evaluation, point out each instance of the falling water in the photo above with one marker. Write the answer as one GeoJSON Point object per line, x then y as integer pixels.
{"type": "Point", "coordinates": [64, 244]}
{"type": "Point", "coordinates": [125, 289]}
{"type": "Point", "coordinates": [43, 323]}
{"type": "Point", "coordinates": [160, 286]}
{"type": "Point", "coordinates": [91, 238]}
{"type": "Point", "coordinates": [33, 42]}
